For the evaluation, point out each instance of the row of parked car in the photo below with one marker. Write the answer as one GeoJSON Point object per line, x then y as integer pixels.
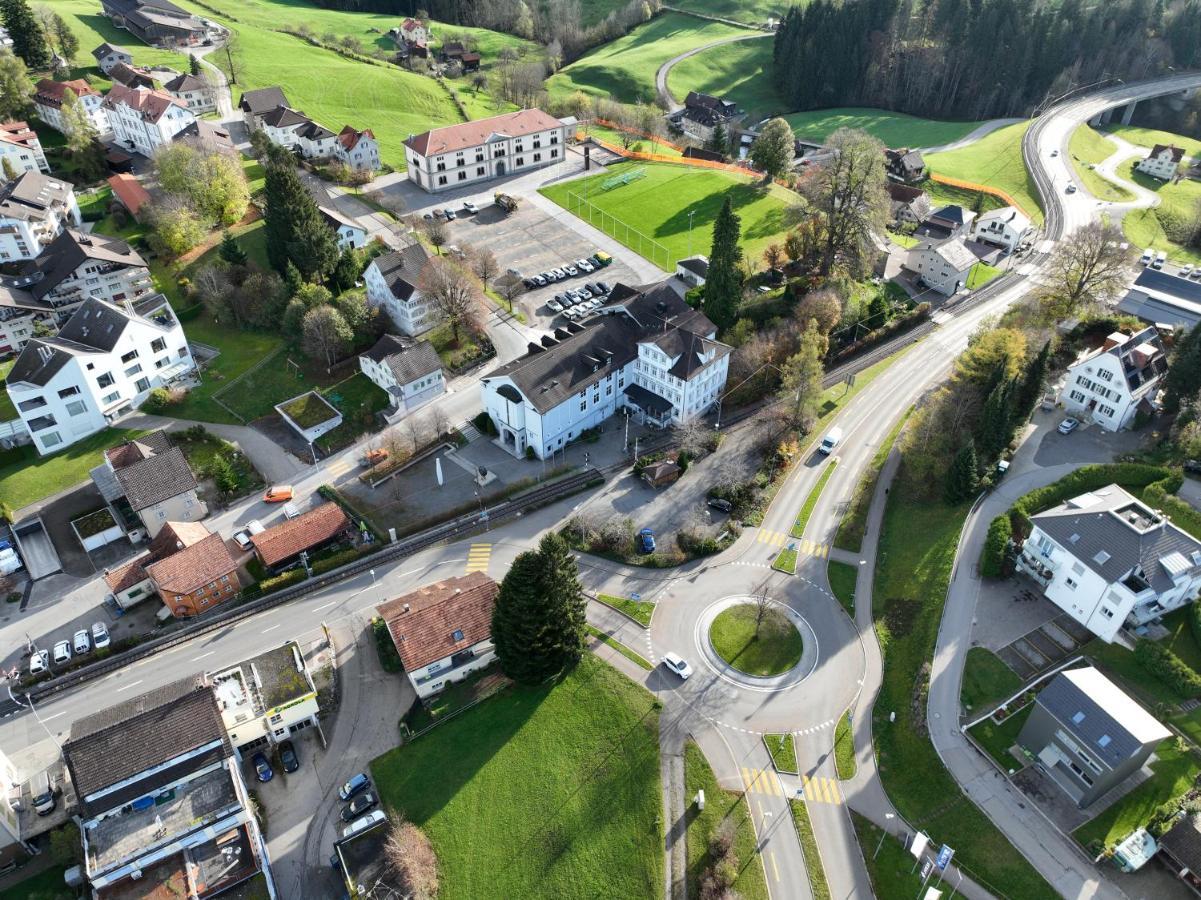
{"type": "Point", "coordinates": [360, 799]}
{"type": "Point", "coordinates": [580, 301]}
{"type": "Point", "coordinates": [82, 643]}
{"type": "Point", "coordinates": [287, 757]}
{"type": "Point", "coordinates": [586, 266]}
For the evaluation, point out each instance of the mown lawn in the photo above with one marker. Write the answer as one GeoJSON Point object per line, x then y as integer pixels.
{"type": "Point", "coordinates": [658, 205]}
{"type": "Point", "coordinates": [1156, 227]}
{"type": "Point", "coordinates": [981, 274]}
{"type": "Point", "coordinates": [842, 577]}
{"type": "Point", "coordinates": [1175, 771]}
{"type": "Point", "coordinates": [802, 519]}
{"type": "Point", "coordinates": [892, 128]}
{"type": "Point", "coordinates": [638, 610]}
{"type": "Point", "coordinates": [997, 739]}
{"type": "Point", "coordinates": [946, 195]}
{"type": "Point", "coordinates": [844, 748]}
{"type": "Point", "coordinates": [721, 807]}
{"type": "Point", "coordinates": [917, 549]}
{"type": "Point", "coordinates": [624, 69]}
{"type": "Point", "coordinates": [26, 477]}
{"type": "Point", "coordinates": [767, 648]}
{"type": "Point", "coordinates": [7, 410]}
{"type": "Point", "coordinates": [1149, 137]}
{"type": "Point", "coordinates": [1089, 147]}
{"type": "Point", "coordinates": [358, 398]}
{"type": "Point", "coordinates": [818, 884]}
{"type": "Point", "coordinates": [995, 161]}
{"type": "Point", "coordinates": [986, 680]}
{"type": "Point", "coordinates": [613, 136]}
{"type": "Point", "coordinates": [239, 351]}
{"type": "Point", "coordinates": [782, 748]}
{"type": "Point", "coordinates": [47, 885]}
{"type": "Point", "coordinates": [93, 29]}
{"type": "Point", "coordinates": [891, 870]}
{"type": "Point", "coordinates": [542, 792]}
{"type": "Point", "coordinates": [738, 71]}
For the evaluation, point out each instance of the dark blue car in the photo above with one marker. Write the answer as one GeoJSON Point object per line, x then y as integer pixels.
{"type": "Point", "coordinates": [646, 540]}
{"type": "Point", "coordinates": [262, 768]}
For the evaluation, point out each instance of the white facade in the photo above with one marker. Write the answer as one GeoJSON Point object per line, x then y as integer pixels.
{"type": "Point", "coordinates": [25, 231]}
{"type": "Point", "coordinates": [433, 678]}
{"type": "Point", "coordinates": [483, 150]}
{"type": "Point", "coordinates": [285, 127]}
{"type": "Point", "coordinates": [1162, 162]}
{"type": "Point", "coordinates": [943, 267]}
{"type": "Point", "coordinates": [198, 100]}
{"type": "Point", "coordinates": [242, 693]}
{"type": "Point", "coordinates": [1109, 384]}
{"type": "Point", "coordinates": [25, 153]}
{"type": "Point", "coordinates": [108, 56]}
{"type": "Point", "coordinates": [65, 390]}
{"type": "Point", "coordinates": [144, 120]}
{"type": "Point", "coordinates": [358, 149]}
{"type": "Point", "coordinates": [50, 112]}
{"type": "Point", "coordinates": [406, 395]}
{"type": "Point", "coordinates": [413, 314]}
{"type": "Point", "coordinates": [350, 234]}
{"type": "Point", "coordinates": [1006, 227]}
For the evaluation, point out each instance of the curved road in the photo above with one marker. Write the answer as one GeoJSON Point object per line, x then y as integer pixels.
{"type": "Point", "coordinates": [661, 76]}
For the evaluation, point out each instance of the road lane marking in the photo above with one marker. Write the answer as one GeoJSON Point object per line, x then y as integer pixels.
{"type": "Point", "coordinates": [55, 716]}
{"type": "Point", "coordinates": [202, 656]}
{"type": "Point", "coordinates": [775, 869]}
{"type": "Point", "coordinates": [341, 467]}
{"type": "Point", "coordinates": [126, 687]}
{"type": "Point", "coordinates": [272, 628]}
{"type": "Point", "coordinates": [325, 606]}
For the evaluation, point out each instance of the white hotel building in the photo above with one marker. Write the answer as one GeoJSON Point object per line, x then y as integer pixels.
{"type": "Point", "coordinates": [463, 155]}
{"type": "Point", "coordinates": [648, 352]}
{"type": "Point", "coordinates": [1111, 384]}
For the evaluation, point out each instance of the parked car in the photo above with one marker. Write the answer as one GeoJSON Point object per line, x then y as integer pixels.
{"type": "Point", "coordinates": [677, 664]}
{"type": "Point", "coordinates": [1071, 188]}
{"type": "Point", "coordinates": [594, 303]}
{"type": "Point", "coordinates": [584, 265]}
{"type": "Point", "coordinates": [291, 510]}
{"type": "Point", "coordinates": [1186, 271]}
{"type": "Point", "coordinates": [1160, 259]}
{"type": "Point", "coordinates": [1195, 275]}
{"type": "Point", "coordinates": [601, 259]}
{"type": "Point", "coordinates": [82, 642]}
{"type": "Point", "coordinates": [720, 504]}
{"type": "Point", "coordinates": [604, 286]}
{"type": "Point", "coordinates": [1068, 425]}
{"type": "Point", "coordinates": [44, 800]}
{"type": "Point", "coordinates": [358, 806]}
{"type": "Point", "coordinates": [62, 652]}
{"type": "Point", "coordinates": [470, 208]}
{"type": "Point", "coordinates": [278, 493]}
{"type": "Point", "coordinates": [572, 312]}
{"type": "Point", "coordinates": [370, 820]}
{"type": "Point", "coordinates": [559, 274]}
{"type": "Point", "coordinates": [554, 305]}
{"type": "Point", "coordinates": [1148, 255]}
{"type": "Point", "coordinates": [262, 768]}
{"type": "Point", "coordinates": [39, 662]}
{"type": "Point", "coordinates": [100, 636]}
{"type": "Point", "coordinates": [1193, 466]}
{"type": "Point", "coordinates": [646, 540]}
{"type": "Point", "coordinates": [373, 457]}
{"type": "Point", "coordinates": [356, 784]}
{"type": "Point", "coordinates": [450, 215]}
{"type": "Point", "coordinates": [541, 280]}
{"type": "Point", "coordinates": [571, 271]}
{"type": "Point", "coordinates": [288, 758]}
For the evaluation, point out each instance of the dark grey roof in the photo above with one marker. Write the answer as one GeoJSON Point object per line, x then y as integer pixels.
{"type": "Point", "coordinates": [954, 214]}
{"type": "Point", "coordinates": [1183, 842]}
{"type": "Point", "coordinates": [30, 194]}
{"type": "Point", "coordinates": [1110, 724]}
{"type": "Point", "coordinates": [1164, 311]}
{"type": "Point", "coordinates": [69, 251]}
{"type": "Point", "coordinates": [156, 478]}
{"type": "Point", "coordinates": [1096, 529]}
{"type": "Point", "coordinates": [313, 131]}
{"type": "Point", "coordinates": [39, 361]}
{"type": "Point", "coordinates": [106, 48]}
{"type": "Point", "coordinates": [550, 375]}
{"type": "Point", "coordinates": [337, 218]}
{"type": "Point", "coordinates": [123, 73]}
{"type": "Point", "coordinates": [283, 116]}
{"type": "Point", "coordinates": [262, 100]}
{"type": "Point", "coordinates": [402, 268]}
{"type": "Point", "coordinates": [723, 108]}
{"type": "Point", "coordinates": [1136, 370]}
{"type": "Point", "coordinates": [695, 264]}
{"type": "Point", "coordinates": [125, 740]}
{"type": "Point", "coordinates": [910, 160]}
{"type": "Point", "coordinates": [409, 360]}
{"type": "Point", "coordinates": [95, 324]}
{"type": "Point", "coordinates": [647, 401]}
{"type": "Point", "coordinates": [1169, 285]}
{"type": "Point", "coordinates": [185, 82]}
{"type": "Point", "coordinates": [206, 135]}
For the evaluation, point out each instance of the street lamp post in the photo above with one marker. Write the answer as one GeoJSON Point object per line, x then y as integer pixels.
{"type": "Point", "coordinates": [33, 709]}
{"type": "Point", "coordinates": [883, 833]}
{"type": "Point", "coordinates": [690, 215]}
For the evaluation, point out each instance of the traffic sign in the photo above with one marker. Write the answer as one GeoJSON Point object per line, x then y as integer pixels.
{"type": "Point", "coordinates": [944, 857]}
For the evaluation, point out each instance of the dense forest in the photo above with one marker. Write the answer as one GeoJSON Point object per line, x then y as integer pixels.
{"type": "Point", "coordinates": [975, 59]}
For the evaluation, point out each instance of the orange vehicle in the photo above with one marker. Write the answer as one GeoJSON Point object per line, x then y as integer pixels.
{"type": "Point", "coordinates": [374, 457]}
{"type": "Point", "coordinates": [278, 493]}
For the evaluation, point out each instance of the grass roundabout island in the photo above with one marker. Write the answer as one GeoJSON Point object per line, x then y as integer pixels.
{"type": "Point", "coordinates": [760, 642]}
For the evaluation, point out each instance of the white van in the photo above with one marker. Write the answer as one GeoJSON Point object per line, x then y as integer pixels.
{"type": "Point", "coordinates": [833, 436]}
{"type": "Point", "coordinates": [1148, 255]}
{"type": "Point", "coordinates": [1160, 259]}
{"type": "Point", "coordinates": [373, 818]}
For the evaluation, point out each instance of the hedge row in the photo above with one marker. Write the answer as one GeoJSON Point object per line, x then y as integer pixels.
{"type": "Point", "coordinates": [279, 582]}
{"type": "Point", "coordinates": [1168, 668]}
{"type": "Point", "coordinates": [338, 559]}
{"type": "Point", "coordinates": [992, 558]}
{"type": "Point", "coordinates": [1091, 478]}
{"type": "Point", "coordinates": [899, 325]}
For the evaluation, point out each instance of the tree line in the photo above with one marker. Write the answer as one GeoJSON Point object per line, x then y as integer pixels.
{"type": "Point", "coordinates": [975, 60]}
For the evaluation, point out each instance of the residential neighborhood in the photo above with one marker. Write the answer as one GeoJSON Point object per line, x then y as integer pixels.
{"type": "Point", "coordinates": [715, 450]}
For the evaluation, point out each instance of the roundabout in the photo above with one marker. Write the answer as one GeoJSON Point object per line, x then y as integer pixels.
{"type": "Point", "coordinates": [784, 653]}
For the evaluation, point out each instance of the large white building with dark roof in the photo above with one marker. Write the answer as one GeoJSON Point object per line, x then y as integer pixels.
{"type": "Point", "coordinates": [462, 155]}
{"type": "Point", "coordinates": [392, 285]}
{"type": "Point", "coordinates": [1108, 560]}
{"type": "Point", "coordinates": [34, 209]}
{"type": "Point", "coordinates": [102, 364]}
{"type": "Point", "coordinates": [648, 352]}
{"type": "Point", "coordinates": [1116, 381]}
{"type": "Point", "coordinates": [143, 119]}
{"type": "Point", "coordinates": [410, 371]}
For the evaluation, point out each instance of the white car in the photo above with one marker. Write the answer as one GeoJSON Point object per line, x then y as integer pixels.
{"type": "Point", "coordinates": [584, 266]}
{"type": "Point", "coordinates": [571, 271]}
{"type": "Point", "coordinates": [1068, 425]}
{"type": "Point", "coordinates": [677, 664]}
{"type": "Point", "coordinates": [62, 652]}
{"type": "Point", "coordinates": [470, 208]}
{"type": "Point", "coordinates": [1186, 271]}
{"type": "Point", "coordinates": [554, 305]}
{"type": "Point", "coordinates": [39, 662]}
{"type": "Point", "coordinates": [100, 636]}
{"type": "Point", "coordinates": [83, 643]}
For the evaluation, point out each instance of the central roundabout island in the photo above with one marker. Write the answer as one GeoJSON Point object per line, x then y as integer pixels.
{"type": "Point", "coordinates": [757, 638]}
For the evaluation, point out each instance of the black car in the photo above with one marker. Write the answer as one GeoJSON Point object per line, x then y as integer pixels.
{"type": "Point", "coordinates": [288, 757]}
{"type": "Point", "coordinates": [358, 806]}
{"type": "Point", "coordinates": [719, 504]}
{"type": "Point", "coordinates": [604, 286]}
{"type": "Point", "coordinates": [1193, 466]}
{"type": "Point", "coordinates": [529, 283]}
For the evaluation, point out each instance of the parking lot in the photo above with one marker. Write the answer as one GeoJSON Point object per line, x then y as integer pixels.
{"type": "Point", "coordinates": [531, 242]}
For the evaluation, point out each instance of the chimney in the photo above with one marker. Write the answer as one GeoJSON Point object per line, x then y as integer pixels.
{"type": "Point", "coordinates": [406, 607]}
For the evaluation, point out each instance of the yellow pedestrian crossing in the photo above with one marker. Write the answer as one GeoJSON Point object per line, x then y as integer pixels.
{"type": "Point", "coordinates": [478, 558]}
{"type": "Point", "coordinates": [803, 547]}
{"type": "Point", "coordinates": [341, 467]}
{"type": "Point", "coordinates": [762, 781]}
{"type": "Point", "coordinates": [821, 790]}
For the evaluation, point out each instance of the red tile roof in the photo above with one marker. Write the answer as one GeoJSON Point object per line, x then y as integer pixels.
{"type": "Point", "coordinates": [437, 611]}
{"type": "Point", "coordinates": [18, 133]}
{"type": "Point", "coordinates": [126, 576]}
{"type": "Point", "coordinates": [309, 529]}
{"type": "Point", "coordinates": [130, 192]}
{"type": "Point", "coordinates": [192, 567]}
{"type": "Point", "coordinates": [51, 92]}
{"type": "Point", "coordinates": [349, 138]}
{"type": "Point", "coordinates": [472, 134]}
{"type": "Point", "coordinates": [172, 538]}
{"type": "Point", "coordinates": [150, 103]}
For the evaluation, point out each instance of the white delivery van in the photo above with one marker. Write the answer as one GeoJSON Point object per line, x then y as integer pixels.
{"type": "Point", "coordinates": [830, 441]}
{"type": "Point", "coordinates": [370, 820]}
{"type": "Point", "coordinates": [1160, 259]}
{"type": "Point", "coordinates": [1148, 255]}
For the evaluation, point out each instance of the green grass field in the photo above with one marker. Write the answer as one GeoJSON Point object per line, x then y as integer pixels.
{"type": "Point", "coordinates": [802, 519]}
{"type": "Point", "coordinates": [621, 648]}
{"type": "Point", "coordinates": [659, 204]}
{"type": "Point", "coordinates": [753, 12]}
{"type": "Point", "coordinates": [1151, 227]}
{"type": "Point", "coordinates": [638, 610]}
{"type": "Point", "coordinates": [47, 885]}
{"type": "Point", "coordinates": [7, 410]}
{"type": "Point", "coordinates": [93, 29]}
{"type": "Point", "coordinates": [26, 477]}
{"type": "Point", "coordinates": [986, 680]}
{"type": "Point", "coordinates": [844, 748]}
{"type": "Point", "coordinates": [997, 739]}
{"type": "Point", "coordinates": [767, 649]}
{"type": "Point", "coordinates": [892, 128]}
{"type": "Point", "coordinates": [891, 869]}
{"type": "Point", "coordinates": [782, 748]}
{"type": "Point", "coordinates": [1149, 137]}
{"type": "Point", "coordinates": [995, 161]}
{"type": "Point", "coordinates": [842, 577]}
{"type": "Point", "coordinates": [981, 274]}
{"type": "Point", "coordinates": [1089, 147]}
{"type": "Point", "coordinates": [540, 792]}
{"type": "Point", "coordinates": [818, 884]}
{"type": "Point", "coordinates": [739, 71]}
{"type": "Point", "coordinates": [613, 136]}
{"type": "Point", "coordinates": [624, 69]}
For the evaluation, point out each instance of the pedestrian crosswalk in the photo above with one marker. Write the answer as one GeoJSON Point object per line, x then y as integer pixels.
{"type": "Point", "coordinates": [478, 557]}
{"type": "Point", "coordinates": [821, 790]}
{"type": "Point", "coordinates": [803, 547]}
{"type": "Point", "coordinates": [340, 467]}
{"type": "Point", "coordinates": [763, 781]}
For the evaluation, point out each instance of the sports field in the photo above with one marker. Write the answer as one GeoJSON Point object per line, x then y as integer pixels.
{"type": "Point", "coordinates": [738, 71]}
{"type": "Point", "coordinates": [996, 161]}
{"type": "Point", "coordinates": [625, 69]}
{"type": "Point", "coordinates": [659, 204]}
{"type": "Point", "coordinates": [891, 128]}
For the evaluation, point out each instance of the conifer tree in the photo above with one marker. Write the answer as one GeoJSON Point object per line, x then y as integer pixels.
{"type": "Point", "coordinates": [723, 284]}
{"type": "Point", "coordinates": [231, 251]}
{"type": "Point", "coordinates": [995, 426]}
{"type": "Point", "coordinates": [1184, 376]}
{"type": "Point", "coordinates": [538, 621]}
{"type": "Point", "coordinates": [296, 232]}
{"type": "Point", "coordinates": [961, 477]}
{"type": "Point", "coordinates": [29, 40]}
{"type": "Point", "coordinates": [1032, 382]}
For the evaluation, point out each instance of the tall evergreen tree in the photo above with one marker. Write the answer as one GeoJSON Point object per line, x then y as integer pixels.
{"type": "Point", "coordinates": [231, 251]}
{"type": "Point", "coordinates": [538, 621]}
{"type": "Point", "coordinates": [723, 284]}
{"type": "Point", "coordinates": [1032, 382]}
{"type": "Point", "coordinates": [296, 232]}
{"type": "Point", "coordinates": [29, 40]}
{"type": "Point", "coordinates": [995, 426]}
{"type": "Point", "coordinates": [1183, 380]}
{"type": "Point", "coordinates": [961, 477]}
{"type": "Point", "coordinates": [194, 65]}
{"type": "Point", "coordinates": [719, 140]}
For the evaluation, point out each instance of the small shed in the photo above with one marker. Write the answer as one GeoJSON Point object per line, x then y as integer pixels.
{"type": "Point", "coordinates": [657, 474]}
{"type": "Point", "coordinates": [128, 191]}
{"type": "Point", "coordinates": [310, 415]}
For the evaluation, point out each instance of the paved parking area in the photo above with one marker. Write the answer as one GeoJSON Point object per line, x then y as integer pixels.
{"type": "Point", "coordinates": [531, 241]}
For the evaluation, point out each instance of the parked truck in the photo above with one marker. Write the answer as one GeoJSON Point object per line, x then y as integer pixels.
{"type": "Point", "coordinates": [507, 202]}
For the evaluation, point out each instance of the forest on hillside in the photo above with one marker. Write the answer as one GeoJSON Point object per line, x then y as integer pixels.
{"type": "Point", "coordinates": [975, 59]}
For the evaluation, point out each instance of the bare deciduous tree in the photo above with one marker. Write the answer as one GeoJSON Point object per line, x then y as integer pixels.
{"type": "Point", "coordinates": [1090, 267]}
{"type": "Point", "coordinates": [483, 263]}
{"type": "Point", "coordinates": [441, 420]}
{"type": "Point", "coordinates": [435, 233]}
{"type": "Point", "coordinates": [455, 292]}
{"type": "Point", "coordinates": [410, 858]}
{"type": "Point", "coordinates": [848, 195]}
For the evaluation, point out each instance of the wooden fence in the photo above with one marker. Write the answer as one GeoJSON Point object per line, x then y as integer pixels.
{"type": "Point", "coordinates": [982, 188]}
